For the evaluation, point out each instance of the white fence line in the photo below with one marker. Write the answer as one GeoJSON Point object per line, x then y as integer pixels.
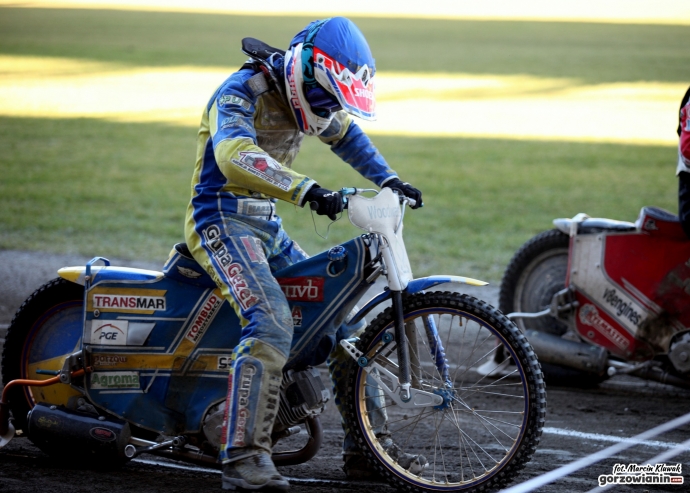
{"type": "Point", "coordinates": [563, 471]}
{"type": "Point", "coordinates": [607, 438]}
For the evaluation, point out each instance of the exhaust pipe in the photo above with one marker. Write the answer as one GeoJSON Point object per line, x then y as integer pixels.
{"type": "Point", "coordinates": [62, 432]}
{"type": "Point", "coordinates": [577, 355]}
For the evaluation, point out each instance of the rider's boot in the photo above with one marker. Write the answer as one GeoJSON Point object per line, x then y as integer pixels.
{"type": "Point", "coordinates": [254, 473]}
{"type": "Point", "coordinates": [251, 409]}
{"type": "Point", "coordinates": [356, 465]}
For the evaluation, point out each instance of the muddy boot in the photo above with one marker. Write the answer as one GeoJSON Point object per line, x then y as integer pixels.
{"type": "Point", "coordinates": [357, 467]}
{"type": "Point", "coordinates": [413, 463]}
{"type": "Point", "coordinates": [251, 409]}
{"type": "Point", "coordinates": [253, 474]}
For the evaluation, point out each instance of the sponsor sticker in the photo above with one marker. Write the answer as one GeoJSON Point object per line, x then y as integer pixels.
{"type": "Point", "coordinates": [230, 99]}
{"type": "Point", "coordinates": [127, 300]}
{"type": "Point", "coordinates": [47, 423]}
{"type": "Point", "coordinates": [236, 121]}
{"type": "Point", "coordinates": [242, 416]}
{"type": "Point", "coordinates": [254, 249]}
{"type": "Point", "coordinates": [115, 380]}
{"type": "Point", "coordinates": [294, 99]}
{"type": "Point", "coordinates": [224, 362]}
{"type": "Point", "coordinates": [143, 303]}
{"type": "Point", "coordinates": [254, 207]}
{"type": "Point", "coordinates": [589, 315]}
{"type": "Point", "coordinates": [622, 307]}
{"type": "Point", "coordinates": [102, 434]}
{"type": "Point", "coordinates": [109, 332]}
{"type": "Point", "coordinates": [240, 287]}
{"type": "Point", "coordinates": [297, 316]}
{"type": "Point", "coordinates": [108, 359]}
{"type": "Point", "coordinates": [382, 212]}
{"type": "Point", "coordinates": [232, 270]}
{"type": "Point", "coordinates": [364, 93]}
{"type": "Point", "coordinates": [298, 189]}
{"type": "Point", "coordinates": [302, 288]}
{"type": "Point", "coordinates": [265, 167]}
{"type": "Point", "coordinates": [203, 318]}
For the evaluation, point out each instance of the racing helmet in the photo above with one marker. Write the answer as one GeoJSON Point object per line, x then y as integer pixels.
{"type": "Point", "coordinates": [328, 68]}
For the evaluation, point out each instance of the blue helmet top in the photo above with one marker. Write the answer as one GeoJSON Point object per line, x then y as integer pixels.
{"type": "Point", "coordinates": [329, 67]}
{"type": "Point", "coordinates": [342, 40]}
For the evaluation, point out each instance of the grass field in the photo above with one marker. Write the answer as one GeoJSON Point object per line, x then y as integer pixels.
{"type": "Point", "coordinates": [99, 187]}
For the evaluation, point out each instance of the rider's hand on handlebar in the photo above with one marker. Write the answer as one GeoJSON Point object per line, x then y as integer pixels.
{"type": "Point", "coordinates": [407, 190]}
{"type": "Point", "coordinates": [325, 202]}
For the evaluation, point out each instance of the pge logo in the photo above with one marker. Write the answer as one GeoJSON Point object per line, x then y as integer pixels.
{"type": "Point", "coordinates": [109, 332]}
{"type": "Point", "coordinates": [110, 335]}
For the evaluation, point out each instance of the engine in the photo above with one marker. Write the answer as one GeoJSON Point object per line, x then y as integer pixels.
{"type": "Point", "coordinates": [302, 394]}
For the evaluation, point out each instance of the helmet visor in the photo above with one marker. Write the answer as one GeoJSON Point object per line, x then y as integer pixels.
{"type": "Point", "coordinates": [355, 92]}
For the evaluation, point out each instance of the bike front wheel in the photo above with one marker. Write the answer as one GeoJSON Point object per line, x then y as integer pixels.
{"type": "Point", "coordinates": [490, 419]}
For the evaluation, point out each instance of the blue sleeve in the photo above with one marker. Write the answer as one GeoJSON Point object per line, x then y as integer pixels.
{"type": "Point", "coordinates": [231, 110]}
{"type": "Point", "coordinates": [356, 149]}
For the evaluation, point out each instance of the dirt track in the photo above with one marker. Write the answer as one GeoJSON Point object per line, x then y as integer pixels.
{"type": "Point", "coordinates": [579, 422]}
{"type": "Point", "coordinates": [622, 409]}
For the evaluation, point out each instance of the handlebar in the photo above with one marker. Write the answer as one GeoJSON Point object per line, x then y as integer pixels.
{"type": "Point", "coordinates": [356, 191]}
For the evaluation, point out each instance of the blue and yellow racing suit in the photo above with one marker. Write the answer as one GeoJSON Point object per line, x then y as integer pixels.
{"type": "Point", "coordinates": [246, 144]}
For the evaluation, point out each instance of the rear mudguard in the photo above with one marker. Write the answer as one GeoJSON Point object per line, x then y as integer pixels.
{"type": "Point", "coordinates": [77, 274]}
{"type": "Point", "coordinates": [413, 287]}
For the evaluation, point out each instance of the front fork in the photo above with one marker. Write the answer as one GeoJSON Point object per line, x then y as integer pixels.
{"type": "Point", "coordinates": [403, 347]}
{"type": "Point", "coordinates": [407, 336]}
{"type": "Point", "coordinates": [404, 394]}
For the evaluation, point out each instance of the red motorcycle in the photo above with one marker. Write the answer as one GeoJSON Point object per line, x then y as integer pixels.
{"type": "Point", "coordinates": [598, 297]}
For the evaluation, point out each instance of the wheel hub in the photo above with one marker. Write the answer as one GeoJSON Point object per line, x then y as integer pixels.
{"type": "Point", "coordinates": [447, 399]}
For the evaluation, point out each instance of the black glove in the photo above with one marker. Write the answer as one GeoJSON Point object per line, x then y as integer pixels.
{"type": "Point", "coordinates": [325, 202]}
{"type": "Point", "coordinates": [407, 190]}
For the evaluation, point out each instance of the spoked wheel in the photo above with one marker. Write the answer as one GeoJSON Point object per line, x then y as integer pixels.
{"type": "Point", "coordinates": [46, 329]}
{"type": "Point", "coordinates": [489, 421]}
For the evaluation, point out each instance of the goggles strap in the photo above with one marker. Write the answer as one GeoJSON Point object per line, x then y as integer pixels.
{"type": "Point", "coordinates": [308, 56]}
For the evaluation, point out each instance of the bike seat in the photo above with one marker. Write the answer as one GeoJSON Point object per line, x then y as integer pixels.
{"type": "Point", "coordinates": [182, 267]}
{"type": "Point", "coordinates": [659, 222]}
{"type": "Point", "coordinates": [601, 225]}
{"type": "Point", "coordinates": [592, 225]}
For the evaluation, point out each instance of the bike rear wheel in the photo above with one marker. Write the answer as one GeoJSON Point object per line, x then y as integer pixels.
{"type": "Point", "coordinates": [490, 421]}
{"type": "Point", "coordinates": [45, 330]}
{"type": "Point", "coordinates": [534, 275]}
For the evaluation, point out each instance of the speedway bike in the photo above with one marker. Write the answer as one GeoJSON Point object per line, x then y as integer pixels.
{"type": "Point", "coordinates": [599, 297]}
{"type": "Point", "coordinates": [107, 363]}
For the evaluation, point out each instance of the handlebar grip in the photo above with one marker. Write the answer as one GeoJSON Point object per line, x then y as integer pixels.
{"type": "Point", "coordinates": [313, 205]}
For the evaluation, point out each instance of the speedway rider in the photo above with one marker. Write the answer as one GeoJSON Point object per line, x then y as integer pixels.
{"type": "Point", "coordinates": [250, 133]}
{"type": "Point", "coordinates": [683, 168]}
